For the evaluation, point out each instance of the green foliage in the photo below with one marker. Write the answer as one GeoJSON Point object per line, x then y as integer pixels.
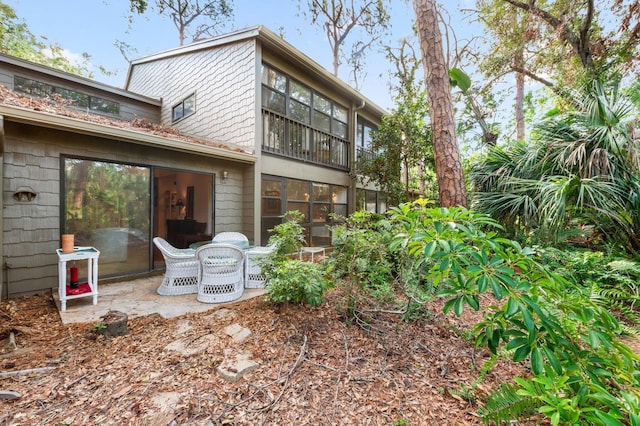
{"type": "Point", "coordinates": [505, 404]}
{"type": "Point", "coordinates": [288, 236]}
{"type": "Point", "coordinates": [568, 340]}
{"type": "Point", "coordinates": [403, 138]}
{"type": "Point", "coordinates": [580, 172]}
{"type": "Point", "coordinates": [460, 79]}
{"type": "Point", "coordinates": [360, 252]}
{"type": "Point", "coordinates": [296, 281]}
{"type": "Point", "coordinates": [609, 281]}
{"type": "Point", "coordinates": [99, 328]}
{"type": "Point", "coordinates": [361, 260]}
{"type": "Point", "coordinates": [291, 280]}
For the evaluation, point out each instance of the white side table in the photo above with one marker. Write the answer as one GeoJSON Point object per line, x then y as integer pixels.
{"type": "Point", "coordinates": [312, 251]}
{"type": "Point", "coordinates": [91, 254]}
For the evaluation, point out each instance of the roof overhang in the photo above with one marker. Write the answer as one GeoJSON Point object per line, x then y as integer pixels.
{"type": "Point", "coordinates": [74, 125]}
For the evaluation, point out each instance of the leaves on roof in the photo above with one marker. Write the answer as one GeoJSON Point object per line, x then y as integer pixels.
{"type": "Point", "coordinates": [57, 105]}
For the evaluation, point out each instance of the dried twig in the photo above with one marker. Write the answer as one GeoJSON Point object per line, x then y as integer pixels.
{"type": "Point", "coordinates": [24, 372]}
{"type": "Point", "coordinates": [261, 389]}
{"type": "Point", "coordinates": [445, 367]}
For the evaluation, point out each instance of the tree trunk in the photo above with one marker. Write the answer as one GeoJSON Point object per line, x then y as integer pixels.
{"type": "Point", "coordinates": [519, 106]}
{"type": "Point", "coordinates": [451, 187]}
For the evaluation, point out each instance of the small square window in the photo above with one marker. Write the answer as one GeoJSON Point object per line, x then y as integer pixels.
{"type": "Point", "coordinates": [184, 108]}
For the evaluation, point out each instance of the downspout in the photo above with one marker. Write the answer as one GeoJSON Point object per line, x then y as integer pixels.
{"type": "Point", "coordinates": [354, 150]}
{"type": "Point", "coordinates": [5, 269]}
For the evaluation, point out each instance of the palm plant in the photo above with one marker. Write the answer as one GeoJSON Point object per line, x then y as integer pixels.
{"type": "Point", "coordinates": [580, 169]}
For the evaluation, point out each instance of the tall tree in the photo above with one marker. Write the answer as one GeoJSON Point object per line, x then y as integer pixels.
{"type": "Point", "coordinates": [580, 37]}
{"type": "Point", "coordinates": [341, 18]}
{"type": "Point", "coordinates": [403, 160]}
{"type": "Point", "coordinates": [451, 185]}
{"type": "Point", "coordinates": [192, 18]}
{"type": "Point", "coordinates": [510, 32]}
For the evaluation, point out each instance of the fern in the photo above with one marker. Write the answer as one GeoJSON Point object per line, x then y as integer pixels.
{"type": "Point", "coordinates": [504, 405]}
{"type": "Point", "coordinates": [618, 300]}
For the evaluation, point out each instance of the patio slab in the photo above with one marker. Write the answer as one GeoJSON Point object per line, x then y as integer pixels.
{"type": "Point", "coordinates": [137, 298]}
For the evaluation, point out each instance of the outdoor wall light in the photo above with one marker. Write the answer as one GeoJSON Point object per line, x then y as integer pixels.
{"type": "Point", "coordinates": [225, 175]}
{"type": "Point", "coordinates": [24, 194]}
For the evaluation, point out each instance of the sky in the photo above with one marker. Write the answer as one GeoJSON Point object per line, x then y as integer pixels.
{"type": "Point", "coordinates": [93, 27]}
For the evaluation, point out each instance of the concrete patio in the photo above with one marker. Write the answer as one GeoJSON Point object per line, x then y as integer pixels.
{"type": "Point", "coordinates": [137, 298]}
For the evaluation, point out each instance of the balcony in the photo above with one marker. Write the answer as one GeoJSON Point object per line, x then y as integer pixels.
{"type": "Point", "coordinates": [290, 138]}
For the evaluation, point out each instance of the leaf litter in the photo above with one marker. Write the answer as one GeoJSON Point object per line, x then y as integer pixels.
{"type": "Point", "coordinates": [314, 369]}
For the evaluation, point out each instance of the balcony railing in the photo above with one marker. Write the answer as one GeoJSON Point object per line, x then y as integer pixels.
{"type": "Point", "coordinates": [290, 138]}
{"type": "Point", "coordinates": [364, 154]}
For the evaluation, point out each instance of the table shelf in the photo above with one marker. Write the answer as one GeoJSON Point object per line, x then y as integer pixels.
{"type": "Point", "coordinates": [90, 254]}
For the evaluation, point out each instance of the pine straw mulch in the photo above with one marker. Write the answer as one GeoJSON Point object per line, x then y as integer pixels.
{"type": "Point", "coordinates": [313, 369]}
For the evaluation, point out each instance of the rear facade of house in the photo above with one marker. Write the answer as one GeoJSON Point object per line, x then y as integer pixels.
{"type": "Point", "coordinates": [221, 135]}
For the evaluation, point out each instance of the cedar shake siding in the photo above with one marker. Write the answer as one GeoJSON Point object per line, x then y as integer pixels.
{"type": "Point", "coordinates": [223, 80]}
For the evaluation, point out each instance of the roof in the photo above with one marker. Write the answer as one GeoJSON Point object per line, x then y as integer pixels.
{"type": "Point", "coordinates": [84, 81]}
{"type": "Point", "coordinates": [274, 43]}
{"type": "Point", "coordinates": [44, 113]}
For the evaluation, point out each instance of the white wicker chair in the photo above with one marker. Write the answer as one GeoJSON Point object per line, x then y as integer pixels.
{"type": "Point", "coordinates": [181, 273]}
{"type": "Point", "coordinates": [221, 273]}
{"type": "Point", "coordinates": [235, 238]}
{"type": "Point", "coordinates": [253, 277]}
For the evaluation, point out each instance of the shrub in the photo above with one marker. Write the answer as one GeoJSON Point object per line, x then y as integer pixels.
{"type": "Point", "coordinates": [296, 281]}
{"type": "Point", "coordinates": [361, 262]}
{"type": "Point", "coordinates": [582, 374]}
{"type": "Point", "coordinates": [291, 280]}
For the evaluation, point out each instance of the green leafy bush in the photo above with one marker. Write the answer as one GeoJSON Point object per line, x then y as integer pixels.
{"type": "Point", "coordinates": [288, 236]}
{"type": "Point", "coordinates": [291, 280]}
{"type": "Point", "coordinates": [361, 262]}
{"type": "Point", "coordinates": [296, 281]}
{"type": "Point", "coordinates": [583, 374]}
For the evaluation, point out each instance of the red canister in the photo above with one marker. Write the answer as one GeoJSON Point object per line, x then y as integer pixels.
{"type": "Point", "coordinates": [73, 282]}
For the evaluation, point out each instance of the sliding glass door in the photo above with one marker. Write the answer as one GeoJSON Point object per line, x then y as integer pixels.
{"type": "Point", "coordinates": [108, 206]}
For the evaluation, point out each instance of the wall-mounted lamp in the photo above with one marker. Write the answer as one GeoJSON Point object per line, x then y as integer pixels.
{"type": "Point", "coordinates": [225, 176]}
{"type": "Point", "coordinates": [24, 194]}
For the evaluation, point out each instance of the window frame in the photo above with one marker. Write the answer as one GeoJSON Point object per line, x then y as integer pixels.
{"type": "Point", "coordinates": [324, 119]}
{"type": "Point", "coordinates": [181, 105]}
{"type": "Point", "coordinates": [44, 90]}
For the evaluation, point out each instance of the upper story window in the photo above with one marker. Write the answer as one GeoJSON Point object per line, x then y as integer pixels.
{"type": "Point", "coordinates": [184, 108]}
{"type": "Point", "coordinates": [70, 97]}
{"type": "Point", "coordinates": [284, 95]}
{"type": "Point", "coordinates": [364, 138]}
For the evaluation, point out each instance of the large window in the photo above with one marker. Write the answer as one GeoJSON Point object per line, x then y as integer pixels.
{"type": "Point", "coordinates": [299, 122]}
{"type": "Point", "coordinates": [316, 201]}
{"type": "Point", "coordinates": [107, 206]}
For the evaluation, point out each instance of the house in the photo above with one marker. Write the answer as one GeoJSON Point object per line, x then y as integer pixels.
{"type": "Point", "coordinates": [220, 135]}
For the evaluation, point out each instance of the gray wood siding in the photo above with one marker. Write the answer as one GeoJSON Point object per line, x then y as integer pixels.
{"type": "Point", "coordinates": [223, 80]}
{"type": "Point", "coordinates": [31, 231]}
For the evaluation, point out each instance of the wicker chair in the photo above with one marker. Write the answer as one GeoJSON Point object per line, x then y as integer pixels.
{"type": "Point", "coordinates": [236, 238]}
{"type": "Point", "coordinates": [221, 273]}
{"type": "Point", "coordinates": [181, 273]}
{"type": "Point", "coordinates": [253, 277]}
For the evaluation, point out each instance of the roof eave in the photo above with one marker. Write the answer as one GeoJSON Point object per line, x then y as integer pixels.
{"type": "Point", "coordinates": [53, 121]}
